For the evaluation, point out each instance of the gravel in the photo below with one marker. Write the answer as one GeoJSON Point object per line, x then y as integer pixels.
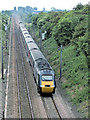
{"type": "Point", "coordinates": [72, 109]}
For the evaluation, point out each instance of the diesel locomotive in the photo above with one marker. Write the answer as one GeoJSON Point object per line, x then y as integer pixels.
{"type": "Point", "coordinates": [43, 72]}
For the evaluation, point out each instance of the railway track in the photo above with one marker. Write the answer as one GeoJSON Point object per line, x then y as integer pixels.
{"type": "Point", "coordinates": [30, 103]}
{"type": "Point", "coordinates": [28, 88]}
{"type": "Point", "coordinates": [19, 106]}
{"type": "Point", "coordinates": [50, 107]}
{"type": "Point", "coordinates": [21, 101]}
{"type": "Point", "coordinates": [11, 106]}
{"type": "Point", "coordinates": [56, 108]}
{"type": "Point", "coordinates": [50, 114]}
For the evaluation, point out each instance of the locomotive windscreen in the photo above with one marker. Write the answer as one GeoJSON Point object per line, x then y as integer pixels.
{"type": "Point", "coordinates": [47, 77]}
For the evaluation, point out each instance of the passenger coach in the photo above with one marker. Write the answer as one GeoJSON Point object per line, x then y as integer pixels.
{"type": "Point", "coordinates": [43, 72]}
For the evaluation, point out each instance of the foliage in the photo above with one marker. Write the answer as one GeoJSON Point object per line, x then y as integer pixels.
{"type": "Point", "coordinates": [46, 22]}
{"type": "Point", "coordinates": [69, 28]}
{"type": "Point", "coordinates": [65, 32]}
{"type": "Point", "coordinates": [5, 20]}
{"type": "Point", "coordinates": [28, 18]}
{"type": "Point", "coordinates": [35, 8]}
{"type": "Point", "coordinates": [78, 7]}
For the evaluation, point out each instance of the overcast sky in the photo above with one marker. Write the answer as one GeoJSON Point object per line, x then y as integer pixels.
{"type": "Point", "coordinates": [40, 4]}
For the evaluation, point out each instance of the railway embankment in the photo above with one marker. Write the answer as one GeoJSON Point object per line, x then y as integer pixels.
{"type": "Point", "coordinates": [19, 106]}
{"type": "Point", "coordinates": [4, 40]}
{"type": "Point", "coordinates": [72, 81]}
{"type": "Point", "coordinates": [54, 105]}
{"type": "Point", "coordinates": [0, 68]}
{"type": "Point", "coordinates": [5, 60]}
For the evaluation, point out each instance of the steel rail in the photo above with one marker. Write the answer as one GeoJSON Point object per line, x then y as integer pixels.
{"type": "Point", "coordinates": [19, 103]}
{"type": "Point", "coordinates": [56, 108]}
{"type": "Point", "coordinates": [51, 96]}
{"type": "Point", "coordinates": [28, 93]}
{"type": "Point", "coordinates": [18, 90]}
{"type": "Point", "coordinates": [30, 103]}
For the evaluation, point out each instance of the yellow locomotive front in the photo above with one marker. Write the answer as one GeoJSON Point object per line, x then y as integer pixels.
{"type": "Point", "coordinates": [47, 84]}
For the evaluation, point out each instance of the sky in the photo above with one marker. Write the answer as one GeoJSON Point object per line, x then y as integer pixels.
{"type": "Point", "coordinates": [40, 4]}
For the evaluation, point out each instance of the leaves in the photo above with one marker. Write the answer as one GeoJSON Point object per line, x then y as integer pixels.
{"type": "Point", "coordinates": [69, 28]}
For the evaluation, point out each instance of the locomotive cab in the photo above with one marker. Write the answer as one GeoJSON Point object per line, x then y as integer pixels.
{"type": "Point", "coordinates": [44, 75]}
{"type": "Point", "coordinates": [46, 82]}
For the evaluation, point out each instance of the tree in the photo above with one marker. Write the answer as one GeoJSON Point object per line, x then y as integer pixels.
{"type": "Point", "coordinates": [62, 32]}
{"type": "Point", "coordinates": [78, 7]}
{"type": "Point", "coordinates": [53, 9]}
{"type": "Point", "coordinates": [35, 8]}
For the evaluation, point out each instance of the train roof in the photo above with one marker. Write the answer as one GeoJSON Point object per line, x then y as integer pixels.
{"type": "Point", "coordinates": [24, 31]}
{"type": "Point", "coordinates": [27, 36]}
{"type": "Point", "coordinates": [20, 22]}
{"type": "Point", "coordinates": [36, 54]}
{"type": "Point", "coordinates": [22, 26]}
{"type": "Point", "coordinates": [29, 40]}
{"type": "Point", "coordinates": [32, 46]}
{"type": "Point", "coordinates": [43, 64]}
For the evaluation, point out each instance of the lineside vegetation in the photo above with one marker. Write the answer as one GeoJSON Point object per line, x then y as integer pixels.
{"type": "Point", "coordinates": [70, 29]}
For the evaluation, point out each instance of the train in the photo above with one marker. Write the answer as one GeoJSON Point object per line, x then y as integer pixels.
{"type": "Point", "coordinates": [43, 73]}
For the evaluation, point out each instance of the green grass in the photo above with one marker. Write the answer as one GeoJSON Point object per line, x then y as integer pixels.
{"type": "Point", "coordinates": [74, 69]}
{"type": "Point", "coordinates": [74, 54]}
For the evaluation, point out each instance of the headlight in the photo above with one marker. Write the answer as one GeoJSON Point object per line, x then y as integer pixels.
{"type": "Point", "coordinates": [41, 85]}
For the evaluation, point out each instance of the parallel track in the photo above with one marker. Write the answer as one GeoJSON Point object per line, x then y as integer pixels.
{"type": "Point", "coordinates": [56, 107]}
{"type": "Point", "coordinates": [51, 108]}
{"type": "Point", "coordinates": [19, 106]}
{"type": "Point", "coordinates": [35, 83]}
{"type": "Point", "coordinates": [19, 103]}
{"type": "Point", "coordinates": [24, 73]}
{"type": "Point", "coordinates": [44, 99]}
